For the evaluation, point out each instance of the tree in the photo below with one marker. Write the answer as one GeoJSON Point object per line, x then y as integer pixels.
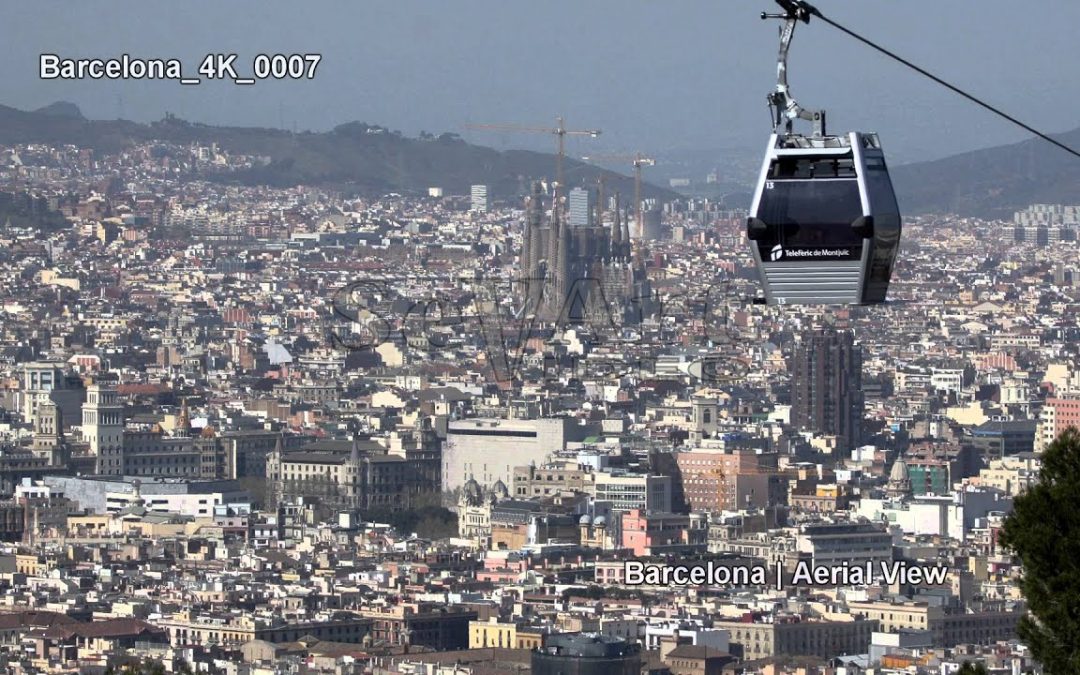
{"type": "Point", "coordinates": [971, 669]}
{"type": "Point", "coordinates": [1043, 531]}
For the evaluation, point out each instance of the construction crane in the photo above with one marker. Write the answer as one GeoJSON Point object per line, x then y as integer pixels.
{"type": "Point", "coordinates": [560, 132]}
{"type": "Point", "coordinates": [638, 160]}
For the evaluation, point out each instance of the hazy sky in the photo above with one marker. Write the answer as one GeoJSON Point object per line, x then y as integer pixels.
{"type": "Point", "coordinates": [654, 75]}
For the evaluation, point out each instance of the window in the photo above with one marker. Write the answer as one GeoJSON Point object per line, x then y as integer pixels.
{"type": "Point", "coordinates": [806, 167]}
{"type": "Point", "coordinates": [812, 213]}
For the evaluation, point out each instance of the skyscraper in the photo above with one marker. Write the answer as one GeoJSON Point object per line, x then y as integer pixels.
{"type": "Point", "coordinates": [826, 386]}
{"type": "Point", "coordinates": [479, 196]}
{"type": "Point", "coordinates": [581, 206]}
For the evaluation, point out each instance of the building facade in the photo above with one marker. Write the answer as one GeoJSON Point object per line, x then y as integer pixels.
{"type": "Point", "coordinates": [488, 449]}
{"type": "Point", "coordinates": [826, 386]}
{"type": "Point", "coordinates": [357, 474]}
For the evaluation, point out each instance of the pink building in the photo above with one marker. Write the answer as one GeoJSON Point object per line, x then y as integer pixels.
{"type": "Point", "coordinates": [658, 533]}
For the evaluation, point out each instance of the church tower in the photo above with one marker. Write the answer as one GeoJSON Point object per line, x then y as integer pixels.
{"type": "Point", "coordinates": [352, 480]}
{"type": "Point", "coordinates": [103, 428]}
{"type": "Point", "coordinates": [533, 252]}
{"type": "Point", "coordinates": [275, 482]}
{"type": "Point", "coordinates": [899, 485]}
{"type": "Point", "coordinates": [704, 418]}
{"type": "Point", "coordinates": [48, 441]}
{"type": "Point", "coordinates": [183, 421]}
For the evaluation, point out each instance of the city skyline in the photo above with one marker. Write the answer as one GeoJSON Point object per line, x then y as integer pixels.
{"type": "Point", "coordinates": [699, 386]}
{"type": "Point", "coordinates": [705, 89]}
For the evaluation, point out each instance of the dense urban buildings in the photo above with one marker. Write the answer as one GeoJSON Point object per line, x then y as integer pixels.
{"type": "Point", "coordinates": [282, 430]}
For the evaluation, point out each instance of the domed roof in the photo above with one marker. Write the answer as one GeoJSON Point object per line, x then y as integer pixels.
{"type": "Point", "coordinates": [599, 520]}
{"type": "Point", "coordinates": [474, 496]}
{"type": "Point", "coordinates": [500, 489]}
{"type": "Point", "coordinates": [585, 520]}
{"type": "Point", "coordinates": [899, 472]}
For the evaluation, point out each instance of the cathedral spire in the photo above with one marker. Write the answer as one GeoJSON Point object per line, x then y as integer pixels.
{"type": "Point", "coordinates": [354, 453]}
{"type": "Point", "coordinates": [620, 234]}
{"type": "Point", "coordinates": [555, 206]}
{"type": "Point", "coordinates": [183, 420]}
{"type": "Point", "coordinates": [554, 237]}
{"type": "Point", "coordinates": [562, 266]}
{"type": "Point", "coordinates": [625, 235]}
{"type": "Point", "coordinates": [534, 215]}
{"type": "Point", "coordinates": [616, 230]}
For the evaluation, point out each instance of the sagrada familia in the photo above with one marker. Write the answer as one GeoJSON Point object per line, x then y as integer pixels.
{"type": "Point", "coordinates": [583, 273]}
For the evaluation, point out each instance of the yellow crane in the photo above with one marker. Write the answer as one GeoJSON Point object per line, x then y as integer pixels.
{"type": "Point", "coordinates": [638, 160]}
{"type": "Point", "coordinates": [559, 131]}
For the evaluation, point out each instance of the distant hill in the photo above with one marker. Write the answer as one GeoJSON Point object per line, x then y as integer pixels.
{"type": "Point", "coordinates": [61, 109]}
{"type": "Point", "coordinates": [992, 183]}
{"type": "Point", "coordinates": [354, 157]}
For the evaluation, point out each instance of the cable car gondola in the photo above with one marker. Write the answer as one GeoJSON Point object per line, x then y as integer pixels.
{"type": "Point", "coordinates": [824, 225]}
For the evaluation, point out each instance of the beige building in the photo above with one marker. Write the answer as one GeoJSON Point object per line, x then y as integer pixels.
{"type": "Point", "coordinates": [1012, 474]}
{"type": "Point", "coordinates": [824, 639]}
{"type": "Point", "coordinates": [359, 474]}
{"type": "Point", "coordinates": [232, 630]}
{"type": "Point", "coordinates": [948, 629]}
{"type": "Point", "coordinates": [531, 481]}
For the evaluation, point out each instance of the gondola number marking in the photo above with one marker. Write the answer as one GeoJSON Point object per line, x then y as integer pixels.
{"type": "Point", "coordinates": [769, 184]}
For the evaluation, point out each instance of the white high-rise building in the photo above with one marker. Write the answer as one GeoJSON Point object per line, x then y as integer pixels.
{"type": "Point", "coordinates": [103, 427]}
{"type": "Point", "coordinates": [580, 207]}
{"type": "Point", "coordinates": [480, 198]}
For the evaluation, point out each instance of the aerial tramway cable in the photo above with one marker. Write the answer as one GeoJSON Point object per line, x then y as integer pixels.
{"type": "Point", "coordinates": [810, 10]}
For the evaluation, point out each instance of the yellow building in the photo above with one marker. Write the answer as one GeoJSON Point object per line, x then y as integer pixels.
{"type": "Point", "coordinates": [53, 278]}
{"type": "Point", "coordinates": [492, 633]}
{"type": "Point", "coordinates": [529, 639]}
{"type": "Point", "coordinates": [970, 415]}
{"type": "Point", "coordinates": [32, 565]}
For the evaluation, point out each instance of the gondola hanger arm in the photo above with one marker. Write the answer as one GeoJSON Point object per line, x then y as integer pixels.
{"type": "Point", "coordinates": [785, 108]}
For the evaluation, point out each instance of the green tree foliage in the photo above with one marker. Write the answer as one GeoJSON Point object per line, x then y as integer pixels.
{"type": "Point", "coordinates": [971, 669]}
{"type": "Point", "coordinates": [1043, 531]}
{"type": "Point", "coordinates": [430, 521]}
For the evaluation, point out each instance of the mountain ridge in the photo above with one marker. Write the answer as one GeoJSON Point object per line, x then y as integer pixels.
{"type": "Point", "coordinates": [992, 182]}
{"type": "Point", "coordinates": [354, 156]}
{"type": "Point", "coordinates": [369, 159]}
